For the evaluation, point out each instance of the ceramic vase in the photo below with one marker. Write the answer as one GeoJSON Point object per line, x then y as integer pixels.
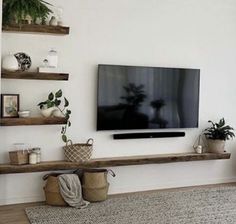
{"type": "Point", "coordinates": [53, 21]}
{"type": "Point", "coordinates": [10, 63]}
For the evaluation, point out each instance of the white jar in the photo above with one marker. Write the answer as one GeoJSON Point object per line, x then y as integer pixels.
{"type": "Point", "coordinates": [52, 58]}
{"type": "Point", "coordinates": [33, 158]}
{"type": "Point", "coordinates": [38, 153]}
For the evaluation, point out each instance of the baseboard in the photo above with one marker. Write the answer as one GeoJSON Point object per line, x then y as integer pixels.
{"type": "Point", "coordinates": [167, 185]}
{"type": "Point", "coordinates": [19, 200]}
{"type": "Point", "coordinates": [170, 185]}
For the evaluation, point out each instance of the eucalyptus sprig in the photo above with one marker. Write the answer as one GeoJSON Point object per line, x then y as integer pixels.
{"type": "Point", "coordinates": [16, 10]}
{"type": "Point", "coordinates": [55, 100]}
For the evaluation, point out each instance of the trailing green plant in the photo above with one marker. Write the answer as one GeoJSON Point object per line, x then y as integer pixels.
{"type": "Point", "coordinates": [219, 131]}
{"type": "Point", "coordinates": [16, 10]}
{"type": "Point", "coordinates": [55, 100]}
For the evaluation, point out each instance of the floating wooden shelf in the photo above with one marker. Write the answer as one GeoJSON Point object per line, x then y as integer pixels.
{"type": "Point", "coordinates": [35, 75]}
{"type": "Point", "coordinates": [32, 121]}
{"type": "Point", "coordinates": [45, 29]}
{"type": "Point", "coordinates": [111, 162]}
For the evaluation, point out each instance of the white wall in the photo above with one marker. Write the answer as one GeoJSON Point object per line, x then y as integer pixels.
{"type": "Point", "coordinates": [184, 33]}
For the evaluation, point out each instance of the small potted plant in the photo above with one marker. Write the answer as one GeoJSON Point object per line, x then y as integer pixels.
{"type": "Point", "coordinates": [217, 135]}
{"type": "Point", "coordinates": [15, 11]}
{"type": "Point", "coordinates": [52, 107]}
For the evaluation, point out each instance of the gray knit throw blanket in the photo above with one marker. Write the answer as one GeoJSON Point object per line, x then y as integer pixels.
{"type": "Point", "coordinates": [71, 191]}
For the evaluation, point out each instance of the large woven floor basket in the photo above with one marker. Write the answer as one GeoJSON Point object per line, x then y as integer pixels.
{"type": "Point", "coordinates": [78, 152]}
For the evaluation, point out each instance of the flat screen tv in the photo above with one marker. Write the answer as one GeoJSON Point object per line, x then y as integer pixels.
{"type": "Point", "coordinates": [133, 97]}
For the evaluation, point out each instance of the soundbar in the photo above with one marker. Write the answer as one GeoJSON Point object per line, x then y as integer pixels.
{"type": "Point", "coordinates": [149, 135]}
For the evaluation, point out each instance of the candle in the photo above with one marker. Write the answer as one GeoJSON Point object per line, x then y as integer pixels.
{"type": "Point", "coordinates": [199, 149]}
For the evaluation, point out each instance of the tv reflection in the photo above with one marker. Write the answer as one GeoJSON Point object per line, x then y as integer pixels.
{"type": "Point", "coordinates": [127, 114]}
{"type": "Point", "coordinates": [157, 105]}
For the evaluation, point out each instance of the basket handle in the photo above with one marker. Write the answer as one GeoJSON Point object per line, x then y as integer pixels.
{"type": "Point", "coordinates": [90, 141]}
{"type": "Point", "coordinates": [111, 172]}
{"type": "Point", "coordinates": [45, 177]}
{"type": "Point", "coordinates": [69, 141]}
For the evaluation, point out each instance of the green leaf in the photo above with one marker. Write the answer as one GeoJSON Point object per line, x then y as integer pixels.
{"type": "Point", "coordinates": [66, 102]}
{"type": "Point", "coordinates": [58, 93]}
{"type": "Point", "coordinates": [64, 138]}
{"type": "Point", "coordinates": [50, 104]}
{"type": "Point", "coordinates": [57, 102]}
{"type": "Point", "coordinates": [68, 111]}
{"type": "Point", "coordinates": [42, 103]}
{"type": "Point", "coordinates": [51, 96]}
{"type": "Point", "coordinates": [69, 123]}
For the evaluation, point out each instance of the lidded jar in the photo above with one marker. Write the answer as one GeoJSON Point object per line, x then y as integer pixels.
{"type": "Point", "coordinates": [52, 58]}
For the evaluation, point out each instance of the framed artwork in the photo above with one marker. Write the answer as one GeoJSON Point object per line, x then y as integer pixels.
{"type": "Point", "coordinates": [10, 104]}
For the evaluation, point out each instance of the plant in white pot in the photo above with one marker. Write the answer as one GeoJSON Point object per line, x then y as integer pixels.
{"type": "Point", "coordinates": [52, 107]}
{"type": "Point", "coordinates": [19, 11]}
{"type": "Point", "coordinates": [217, 135]}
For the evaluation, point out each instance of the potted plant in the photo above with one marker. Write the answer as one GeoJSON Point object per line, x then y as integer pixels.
{"type": "Point", "coordinates": [16, 11]}
{"type": "Point", "coordinates": [217, 135]}
{"type": "Point", "coordinates": [52, 107]}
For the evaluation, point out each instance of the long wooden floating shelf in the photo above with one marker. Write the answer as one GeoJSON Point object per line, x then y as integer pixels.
{"type": "Point", "coordinates": [111, 162]}
{"type": "Point", "coordinates": [45, 29]}
{"type": "Point", "coordinates": [35, 75]}
{"type": "Point", "coordinates": [32, 121]}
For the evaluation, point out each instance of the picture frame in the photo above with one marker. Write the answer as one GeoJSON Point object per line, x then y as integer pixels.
{"type": "Point", "coordinates": [10, 104]}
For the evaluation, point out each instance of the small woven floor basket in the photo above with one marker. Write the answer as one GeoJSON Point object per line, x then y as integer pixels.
{"type": "Point", "coordinates": [78, 152]}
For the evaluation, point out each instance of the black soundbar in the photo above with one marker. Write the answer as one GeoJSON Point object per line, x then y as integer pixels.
{"type": "Point", "coordinates": [149, 135]}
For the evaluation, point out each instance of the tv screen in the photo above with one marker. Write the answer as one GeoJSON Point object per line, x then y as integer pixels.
{"type": "Point", "coordinates": [133, 97]}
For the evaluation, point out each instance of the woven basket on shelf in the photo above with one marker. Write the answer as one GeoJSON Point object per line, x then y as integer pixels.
{"type": "Point", "coordinates": [19, 157]}
{"type": "Point", "coordinates": [78, 152]}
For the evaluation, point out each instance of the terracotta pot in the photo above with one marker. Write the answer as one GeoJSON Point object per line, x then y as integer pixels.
{"type": "Point", "coordinates": [215, 146]}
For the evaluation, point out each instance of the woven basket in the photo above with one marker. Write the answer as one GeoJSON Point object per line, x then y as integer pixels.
{"type": "Point", "coordinates": [52, 192]}
{"type": "Point", "coordinates": [78, 152]}
{"type": "Point", "coordinates": [95, 194]}
{"type": "Point", "coordinates": [19, 157]}
{"type": "Point", "coordinates": [96, 178]}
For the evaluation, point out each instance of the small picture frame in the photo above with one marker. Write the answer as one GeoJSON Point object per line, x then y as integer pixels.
{"type": "Point", "coordinates": [10, 104]}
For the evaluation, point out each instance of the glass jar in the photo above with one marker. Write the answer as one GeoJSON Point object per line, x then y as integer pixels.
{"type": "Point", "coordinates": [52, 58]}
{"type": "Point", "coordinates": [19, 146]}
{"type": "Point", "coordinates": [38, 153]}
{"type": "Point", "coordinates": [33, 158]}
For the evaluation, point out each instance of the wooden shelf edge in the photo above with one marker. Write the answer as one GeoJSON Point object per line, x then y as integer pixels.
{"type": "Point", "coordinates": [44, 29]}
{"type": "Point", "coordinates": [32, 121]}
{"type": "Point", "coordinates": [35, 75]}
{"type": "Point", "coordinates": [112, 162]}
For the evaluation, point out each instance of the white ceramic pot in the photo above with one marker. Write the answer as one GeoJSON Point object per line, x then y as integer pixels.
{"type": "Point", "coordinates": [216, 146]}
{"type": "Point", "coordinates": [10, 63]}
{"type": "Point", "coordinates": [57, 113]}
{"type": "Point", "coordinates": [48, 111]}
